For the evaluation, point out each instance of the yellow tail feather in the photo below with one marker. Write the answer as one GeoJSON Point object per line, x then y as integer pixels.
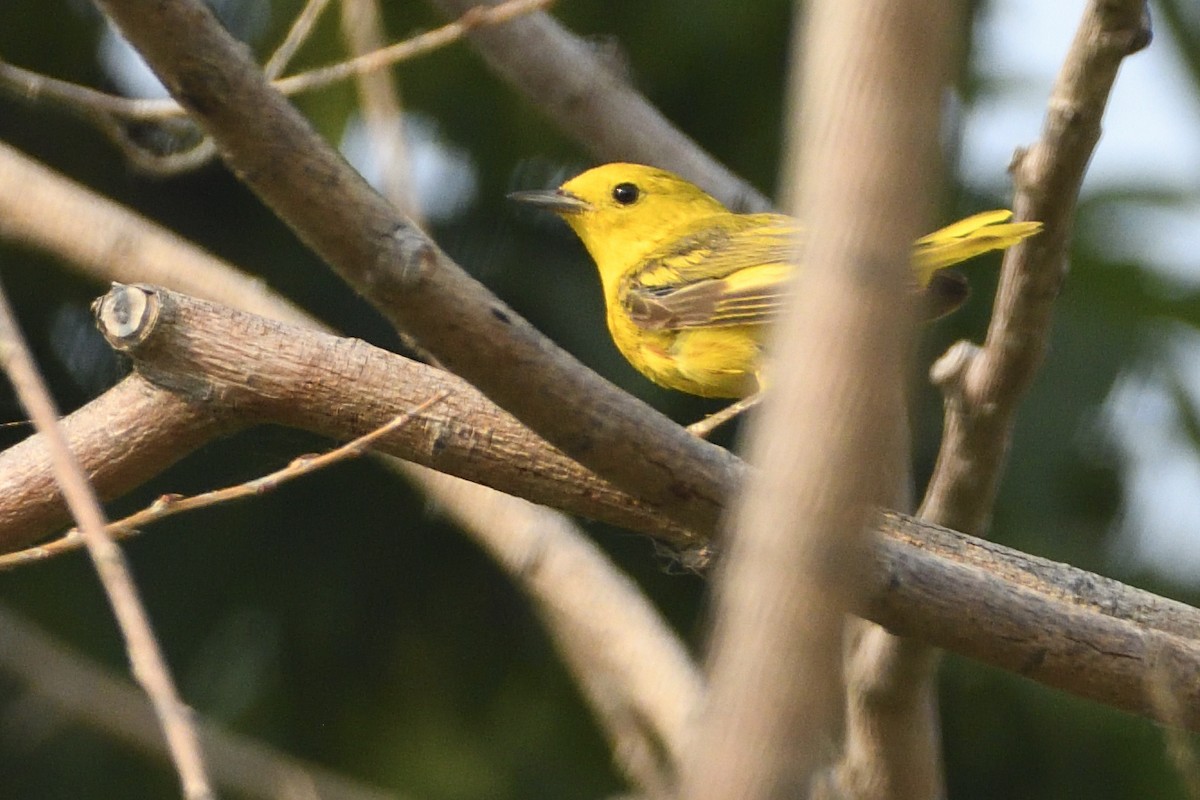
{"type": "Point", "coordinates": [967, 238]}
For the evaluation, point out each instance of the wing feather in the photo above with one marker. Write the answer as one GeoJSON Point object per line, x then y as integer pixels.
{"type": "Point", "coordinates": [731, 273]}
{"type": "Point", "coordinates": [734, 269]}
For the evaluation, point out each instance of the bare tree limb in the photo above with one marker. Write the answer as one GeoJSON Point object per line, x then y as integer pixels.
{"type": "Point", "coordinates": [146, 659]}
{"type": "Point", "coordinates": [974, 597]}
{"type": "Point", "coordinates": [306, 379]}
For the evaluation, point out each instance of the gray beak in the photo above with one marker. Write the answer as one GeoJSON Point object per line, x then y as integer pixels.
{"type": "Point", "coordinates": [555, 200]}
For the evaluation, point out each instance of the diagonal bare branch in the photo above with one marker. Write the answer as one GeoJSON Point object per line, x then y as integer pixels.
{"type": "Point", "coordinates": [145, 657]}
{"type": "Point", "coordinates": [407, 277]}
{"type": "Point", "coordinates": [82, 691]}
{"type": "Point", "coordinates": [983, 387]}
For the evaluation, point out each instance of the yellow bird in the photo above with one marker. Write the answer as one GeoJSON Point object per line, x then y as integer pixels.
{"type": "Point", "coordinates": [689, 284]}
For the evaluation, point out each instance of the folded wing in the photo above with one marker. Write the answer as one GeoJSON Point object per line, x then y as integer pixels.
{"type": "Point", "coordinates": [735, 270]}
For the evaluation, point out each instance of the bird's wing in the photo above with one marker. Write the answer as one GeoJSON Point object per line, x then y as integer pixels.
{"type": "Point", "coordinates": [733, 269]}
{"type": "Point", "coordinates": [732, 272]}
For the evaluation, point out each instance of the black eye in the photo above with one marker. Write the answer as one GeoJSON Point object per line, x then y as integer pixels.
{"type": "Point", "coordinates": [626, 193]}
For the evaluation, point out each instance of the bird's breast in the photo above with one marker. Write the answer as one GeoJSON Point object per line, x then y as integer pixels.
{"type": "Point", "coordinates": [710, 362]}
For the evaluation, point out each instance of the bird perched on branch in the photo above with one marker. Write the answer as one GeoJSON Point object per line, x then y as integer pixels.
{"type": "Point", "coordinates": [689, 284]}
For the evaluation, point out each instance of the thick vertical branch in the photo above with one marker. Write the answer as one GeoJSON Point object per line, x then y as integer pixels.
{"type": "Point", "coordinates": [828, 441]}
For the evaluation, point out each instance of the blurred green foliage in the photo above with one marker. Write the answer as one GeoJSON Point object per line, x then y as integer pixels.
{"type": "Point", "coordinates": [342, 621]}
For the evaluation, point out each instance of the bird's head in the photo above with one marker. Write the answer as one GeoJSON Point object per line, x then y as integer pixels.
{"type": "Point", "coordinates": [622, 212]}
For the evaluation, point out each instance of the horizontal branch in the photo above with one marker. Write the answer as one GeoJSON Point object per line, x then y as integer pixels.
{"type": "Point", "coordinates": [115, 446]}
{"type": "Point", "coordinates": [1050, 622]}
{"type": "Point", "coordinates": [227, 369]}
{"type": "Point", "coordinates": [1053, 623]}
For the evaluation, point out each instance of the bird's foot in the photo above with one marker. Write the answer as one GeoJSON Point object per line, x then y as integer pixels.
{"type": "Point", "coordinates": [713, 421]}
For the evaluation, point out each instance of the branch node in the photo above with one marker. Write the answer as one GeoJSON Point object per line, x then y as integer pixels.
{"type": "Point", "coordinates": [1018, 158]}
{"type": "Point", "coordinates": [165, 501]}
{"type": "Point", "coordinates": [417, 257]}
{"type": "Point", "coordinates": [949, 373]}
{"type": "Point", "coordinates": [1141, 36]}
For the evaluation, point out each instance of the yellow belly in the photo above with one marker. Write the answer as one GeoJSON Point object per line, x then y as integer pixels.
{"type": "Point", "coordinates": [710, 362]}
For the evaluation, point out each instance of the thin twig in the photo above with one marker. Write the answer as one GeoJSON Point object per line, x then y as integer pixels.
{"type": "Point", "coordinates": [379, 107]}
{"type": "Point", "coordinates": [297, 35]}
{"type": "Point", "coordinates": [171, 504]}
{"type": "Point", "coordinates": [35, 86]}
{"type": "Point", "coordinates": [149, 666]}
{"type": "Point", "coordinates": [477, 17]}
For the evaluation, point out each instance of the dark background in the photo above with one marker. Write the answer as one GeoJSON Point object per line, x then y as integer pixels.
{"type": "Point", "coordinates": [341, 621]}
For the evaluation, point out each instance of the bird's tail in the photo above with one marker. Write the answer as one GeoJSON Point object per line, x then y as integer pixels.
{"type": "Point", "coordinates": [967, 238]}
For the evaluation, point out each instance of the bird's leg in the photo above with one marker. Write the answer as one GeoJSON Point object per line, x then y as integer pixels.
{"type": "Point", "coordinates": [710, 423]}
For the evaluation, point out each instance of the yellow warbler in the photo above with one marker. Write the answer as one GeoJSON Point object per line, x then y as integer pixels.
{"type": "Point", "coordinates": [688, 284]}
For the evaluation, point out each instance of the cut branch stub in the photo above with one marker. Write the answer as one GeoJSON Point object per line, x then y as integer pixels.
{"type": "Point", "coordinates": [126, 314]}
